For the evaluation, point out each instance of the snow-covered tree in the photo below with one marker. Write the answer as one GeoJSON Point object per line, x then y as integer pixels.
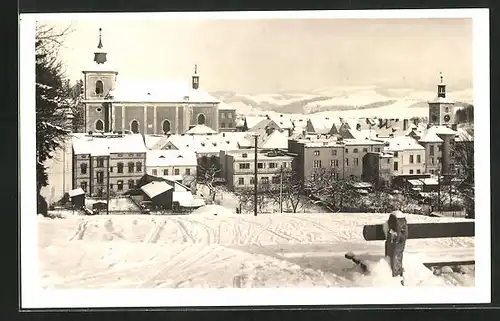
{"type": "Point", "coordinates": [52, 96]}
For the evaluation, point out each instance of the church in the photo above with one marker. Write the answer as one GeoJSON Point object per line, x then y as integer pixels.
{"type": "Point", "coordinates": [117, 105]}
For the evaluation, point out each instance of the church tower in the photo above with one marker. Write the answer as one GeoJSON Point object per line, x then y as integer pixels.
{"type": "Point", "coordinates": [195, 78]}
{"type": "Point", "coordinates": [99, 80]}
{"type": "Point", "coordinates": [441, 109]}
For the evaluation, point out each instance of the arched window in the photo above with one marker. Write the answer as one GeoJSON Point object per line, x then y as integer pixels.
{"type": "Point", "coordinates": [201, 119]}
{"type": "Point", "coordinates": [165, 126]}
{"type": "Point", "coordinates": [99, 87]}
{"type": "Point", "coordinates": [134, 126]}
{"type": "Point", "coordinates": [99, 125]}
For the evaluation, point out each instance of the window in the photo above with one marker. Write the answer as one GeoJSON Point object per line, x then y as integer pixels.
{"type": "Point", "coordinates": [244, 155]}
{"type": "Point", "coordinates": [130, 183]}
{"type": "Point", "coordinates": [388, 161]}
{"type": "Point", "coordinates": [222, 125]}
{"type": "Point", "coordinates": [99, 125]}
{"type": "Point", "coordinates": [83, 168]}
{"type": "Point", "coordinates": [100, 162]}
{"type": "Point", "coordinates": [100, 177]}
{"type": "Point", "coordinates": [356, 162]}
{"type": "Point", "coordinates": [317, 164]}
{"type": "Point", "coordinates": [396, 166]}
{"type": "Point", "coordinates": [165, 172]}
{"type": "Point", "coordinates": [83, 185]}
{"type": "Point", "coordinates": [265, 180]}
{"type": "Point", "coordinates": [111, 186]}
{"type": "Point", "coordinates": [347, 150]}
{"type": "Point", "coordinates": [440, 148]}
{"type": "Point", "coordinates": [418, 171]}
{"type": "Point", "coordinates": [431, 150]}
{"type": "Point", "coordinates": [245, 166]}
{"type": "Point", "coordinates": [188, 171]}
{"type": "Point", "coordinates": [316, 153]}
{"type": "Point", "coordinates": [99, 87]}
{"type": "Point", "coordinates": [411, 159]}
{"type": "Point", "coordinates": [365, 150]}
{"type": "Point", "coordinates": [130, 167]}
{"type": "Point", "coordinates": [432, 160]}
{"type": "Point", "coordinates": [419, 159]}
{"type": "Point", "coordinates": [260, 165]}
{"type": "Point", "coordinates": [176, 171]}
{"type": "Point", "coordinates": [334, 152]}
{"type": "Point", "coordinates": [252, 181]}
{"type": "Point", "coordinates": [396, 154]}
{"type": "Point", "coordinates": [432, 171]}
{"type": "Point", "coordinates": [201, 119]}
{"type": "Point", "coordinates": [111, 169]}
{"type": "Point", "coordinates": [241, 181]}
{"type": "Point", "coordinates": [347, 161]}
{"type": "Point", "coordinates": [275, 180]}
{"type": "Point", "coordinates": [377, 149]}
{"type": "Point", "coordinates": [165, 126]}
{"type": "Point", "coordinates": [272, 165]}
{"type": "Point", "coordinates": [120, 168]}
{"type": "Point", "coordinates": [138, 167]}
{"type": "Point", "coordinates": [120, 185]}
{"type": "Point", "coordinates": [154, 172]}
{"type": "Point", "coordinates": [229, 115]}
{"type": "Point", "coordinates": [134, 127]}
{"type": "Point", "coordinates": [439, 160]}
{"type": "Point", "coordinates": [223, 115]}
{"type": "Point", "coordinates": [411, 171]}
{"type": "Point", "coordinates": [334, 163]}
{"type": "Point", "coordinates": [355, 150]}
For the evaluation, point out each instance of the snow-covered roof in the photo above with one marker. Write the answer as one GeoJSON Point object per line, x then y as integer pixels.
{"type": "Point", "coordinates": [156, 188]}
{"type": "Point", "coordinates": [284, 122]}
{"type": "Point", "coordinates": [201, 130]}
{"type": "Point", "coordinates": [225, 106]}
{"type": "Point", "coordinates": [403, 143]}
{"type": "Point", "coordinates": [104, 145]}
{"type": "Point", "coordinates": [159, 91]}
{"type": "Point", "coordinates": [170, 157]}
{"type": "Point", "coordinates": [186, 199]}
{"type": "Point", "coordinates": [105, 67]}
{"type": "Point", "coordinates": [76, 192]}
{"type": "Point", "coordinates": [430, 137]}
{"type": "Point", "coordinates": [362, 142]}
{"type": "Point", "coordinates": [204, 143]}
{"type": "Point", "coordinates": [254, 120]}
{"type": "Point", "coordinates": [441, 100]}
{"type": "Point", "coordinates": [363, 134]}
{"type": "Point", "coordinates": [463, 134]}
{"type": "Point", "coordinates": [323, 125]}
{"type": "Point", "coordinates": [152, 140]}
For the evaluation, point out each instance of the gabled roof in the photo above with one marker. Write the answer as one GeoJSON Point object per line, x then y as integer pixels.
{"type": "Point", "coordinates": [201, 130]}
{"type": "Point", "coordinates": [156, 188]}
{"type": "Point", "coordinates": [203, 143]}
{"type": "Point", "coordinates": [254, 120]}
{"type": "Point", "coordinates": [170, 157]}
{"type": "Point", "coordinates": [402, 143]}
{"type": "Point", "coordinates": [225, 106]}
{"type": "Point", "coordinates": [284, 122]}
{"type": "Point", "coordinates": [101, 145]}
{"type": "Point", "coordinates": [430, 137]}
{"type": "Point", "coordinates": [322, 125]}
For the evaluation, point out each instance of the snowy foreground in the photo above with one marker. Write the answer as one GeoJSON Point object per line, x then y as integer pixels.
{"type": "Point", "coordinates": [278, 250]}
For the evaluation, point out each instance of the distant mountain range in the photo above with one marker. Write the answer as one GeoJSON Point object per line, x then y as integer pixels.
{"type": "Point", "coordinates": [336, 99]}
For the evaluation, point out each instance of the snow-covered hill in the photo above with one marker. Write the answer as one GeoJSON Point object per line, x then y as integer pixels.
{"type": "Point", "coordinates": [383, 101]}
{"type": "Point", "coordinates": [279, 250]}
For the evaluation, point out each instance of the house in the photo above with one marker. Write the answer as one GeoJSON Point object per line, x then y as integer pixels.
{"type": "Point", "coordinates": [77, 196]}
{"type": "Point", "coordinates": [172, 164]}
{"type": "Point", "coordinates": [240, 167]}
{"type": "Point", "coordinates": [159, 193]}
{"type": "Point", "coordinates": [409, 156]}
{"type": "Point", "coordinates": [227, 118]}
{"type": "Point", "coordinates": [438, 142]}
{"type": "Point", "coordinates": [323, 125]}
{"type": "Point", "coordinates": [103, 162]}
{"type": "Point", "coordinates": [378, 169]}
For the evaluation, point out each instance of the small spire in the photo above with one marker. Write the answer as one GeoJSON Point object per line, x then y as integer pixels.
{"type": "Point", "coordinates": [100, 39]}
{"type": "Point", "coordinates": [195, 69]}
{"type": "Point", "coordinates": [441, 76]}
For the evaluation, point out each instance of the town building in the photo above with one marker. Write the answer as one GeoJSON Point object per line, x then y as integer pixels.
{"type": "Point", "coordinates": [239, 168]}
{"type": "Point", "coordinates": [173, 165]}
{"type": "Point", "coordinates": [102, 161]}
{"type": "Point", "coordinates": [323, 125]}
{"type": "Point", "coordinates": [441, 109]}
{"type": "Point", "coordinates": [409, 156]}
{"type": "Point", "coordinates": [113, 103]}
{"type": "Point", "coordinates": [227, 118]}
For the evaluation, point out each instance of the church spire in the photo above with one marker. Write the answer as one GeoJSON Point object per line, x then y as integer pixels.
{"type": "Point", "coordinates": [441, 87]}
{"type": "Point", "coordinates": [100, 55]}
{"type": "Point", "coordinates": [195, 78]}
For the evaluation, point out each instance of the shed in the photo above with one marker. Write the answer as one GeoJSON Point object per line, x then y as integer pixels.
{"type": "Point", "coordinates": [160, 193]}
{"type": "Point", "coordinates": [77, 196]}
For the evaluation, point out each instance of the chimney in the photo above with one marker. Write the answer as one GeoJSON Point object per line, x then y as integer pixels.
{"type": "Point", "coordinates": [405, 124]}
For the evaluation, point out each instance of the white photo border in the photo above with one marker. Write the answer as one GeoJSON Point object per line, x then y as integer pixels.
{"type": "Point", "coordinates": [33, 296]}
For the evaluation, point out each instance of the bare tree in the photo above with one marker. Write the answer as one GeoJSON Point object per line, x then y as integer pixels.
{"type": "Point", "coordinates": [293, 190]}
{"type": "Point", "coordinates": [327, 184]}
{"type": "Point", "coordinates": [208, 175]}
{"type": "Point", "coordinates": [463, 153]}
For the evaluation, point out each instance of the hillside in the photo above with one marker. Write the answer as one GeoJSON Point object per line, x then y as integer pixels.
{"type": "Point", "coordinates": [339, 99]}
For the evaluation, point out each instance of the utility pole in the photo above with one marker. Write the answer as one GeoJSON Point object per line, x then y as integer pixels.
{"type": "Point", "coordinates": [281, 189]}
{"type": "Point", "coordinates": [439, 191]}
{"type": "Point", "coordinates": [256, 136]}
{"type": "Point", "coordinates": [107, 189]}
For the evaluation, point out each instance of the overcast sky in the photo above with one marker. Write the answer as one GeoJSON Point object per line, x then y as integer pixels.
{"type": "Point", "coordinates": [266, 56]}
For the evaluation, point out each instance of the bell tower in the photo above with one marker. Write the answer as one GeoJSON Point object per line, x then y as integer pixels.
{"type": "Point", "coordinates": [98, 80]}
{"type": "Point", "coordinates": [441, 109]}
{"type": "Point", "coordinates": [195, 79]}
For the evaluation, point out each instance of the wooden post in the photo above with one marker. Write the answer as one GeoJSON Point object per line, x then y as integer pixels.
{"type": "Point", "coordinates": [396, 235]}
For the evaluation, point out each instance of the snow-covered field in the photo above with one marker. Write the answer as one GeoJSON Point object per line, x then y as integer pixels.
{"type": "Point", "coordinates": [227, 250]}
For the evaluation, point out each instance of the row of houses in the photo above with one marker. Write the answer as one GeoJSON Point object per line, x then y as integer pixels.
{"type": "Point", "coordinates": [120, 160]}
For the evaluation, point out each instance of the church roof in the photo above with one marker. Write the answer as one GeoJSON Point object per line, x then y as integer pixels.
{"type": "Point", "coordinates": [201, 130]}
{"type": "Point", "coordinates": [441, 100]}
{"type": "Point", "coordinates": [159, 91]}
